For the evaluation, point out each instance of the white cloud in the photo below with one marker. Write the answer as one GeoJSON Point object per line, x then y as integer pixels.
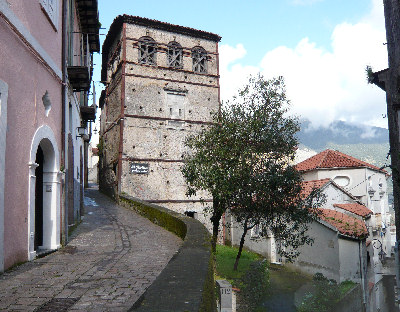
{"type": "Point", "coordinates": [233, 76]}
{"type": "Point", "coordinates": [323, 85]}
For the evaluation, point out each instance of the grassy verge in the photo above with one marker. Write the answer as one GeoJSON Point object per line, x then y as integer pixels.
{"type": "Point", "coordinates": [225, 259]}
{"type": "Point", "coordinates": [345, 287]}
{"type": "Point", "coordinates": [251, 277]}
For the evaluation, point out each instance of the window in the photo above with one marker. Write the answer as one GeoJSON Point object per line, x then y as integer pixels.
{"type": "Point", "coordinates": [176, 103]}
{"type": "Point", "coordinates": [147, 51]}
{"type": "Point", "coordinates": [199, 56]}
{"type": "Point", "coordinates": [342, 181]}
{"type": "Point", "coordinates": [50, 7]}
{"type": "Point", "coordinates": [175, 55]}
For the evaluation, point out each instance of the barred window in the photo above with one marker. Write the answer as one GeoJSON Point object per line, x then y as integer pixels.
{"type": "Point", "coordinates": [199, 56]}
{"type": "Point", "coordinates": [147, 51]}
{"type": "Point", "coordinates": [175, 55]}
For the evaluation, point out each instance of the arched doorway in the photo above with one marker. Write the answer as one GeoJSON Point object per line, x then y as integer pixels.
{"type": "Point", "coordinates": [38, 241]}
{"type": "Point", "coordinates": [44, 193]}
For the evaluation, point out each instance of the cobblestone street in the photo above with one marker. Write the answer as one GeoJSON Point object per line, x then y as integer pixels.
{"type": "Point", "coordinates": [113, 256]}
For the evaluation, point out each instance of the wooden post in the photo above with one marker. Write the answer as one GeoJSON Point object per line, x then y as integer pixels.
{"type": "Point", "coordinates": [392, 23]}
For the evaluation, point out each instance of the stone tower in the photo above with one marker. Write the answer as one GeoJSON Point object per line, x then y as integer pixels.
{"type": "Point", "coordinates": [162, 84]}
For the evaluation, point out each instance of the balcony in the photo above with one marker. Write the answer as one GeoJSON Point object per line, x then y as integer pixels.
{"type": "Point", "coordinates": [79, 66]}
{"type": "Point", "coordinates": [88, 113]}
{"type": "Point", "coordinates": [89, 17]}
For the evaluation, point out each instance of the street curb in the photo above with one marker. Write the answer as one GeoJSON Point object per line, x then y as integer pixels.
{"type": "Point", "coordinates": [187, 282]}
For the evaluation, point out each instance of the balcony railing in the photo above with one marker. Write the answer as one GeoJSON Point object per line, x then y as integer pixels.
{"type": "Point", "coordinates": [80, 62]}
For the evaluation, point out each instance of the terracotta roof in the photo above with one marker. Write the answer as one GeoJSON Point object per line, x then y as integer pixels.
{"type": "Point", "coordinates": [345, 224]}
{"type": "Point", "coordinates": [333, 159]}
{"type": "Point", "coordinates": [355, 208]}
{"type": "Point", "coordinates": [308, 186]}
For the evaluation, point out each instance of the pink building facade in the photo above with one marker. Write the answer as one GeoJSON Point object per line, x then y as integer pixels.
{"type": "Point", "coordinates": [35, 93]}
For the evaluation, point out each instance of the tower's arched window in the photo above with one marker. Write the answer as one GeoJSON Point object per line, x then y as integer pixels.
{"type": "Point", "coordinates": [147, 51]}
{"type": "Point", "coordinates": [175, 55]}
{"type": "Point", "coordinates": [199, 56]}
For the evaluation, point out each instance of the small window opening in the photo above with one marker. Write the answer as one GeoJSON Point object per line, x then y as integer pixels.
{"type": "Point", "coordinates": [199, 56]}
{"type": "Point", "coordinates": [147, 51]}
{"type": "Point", "coordinates": [175, 58]}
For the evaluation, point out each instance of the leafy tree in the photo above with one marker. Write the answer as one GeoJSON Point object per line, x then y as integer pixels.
{"type": "Point", "coordinates": [243, 161]}
{"type": "Point", "coordinates": [268, 193]}
{"type": "Point", "coordinates": [211, 165]}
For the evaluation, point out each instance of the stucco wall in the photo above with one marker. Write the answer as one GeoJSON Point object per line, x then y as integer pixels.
{"type": "Point", "coordinates": [28, 80]}
{"type": "Point", "coordinates": [351, 262]}
{"type": "Point", "coordinates": [323, 255]}
{"type": "Point", "coordinates": [3, 136]}
{"type": "Point", "coordinates": [335, 196]}
{"type": "Point", "coordinates": [31, 15]}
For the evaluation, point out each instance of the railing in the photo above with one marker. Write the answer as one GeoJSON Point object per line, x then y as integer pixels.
{"type": "Point", "coordinates": [79, 62]}
{"type": "Point", "coordinates": [79, 57]}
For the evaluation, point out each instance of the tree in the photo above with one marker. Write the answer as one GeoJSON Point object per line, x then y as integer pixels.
{"type": "Point", "coordinates": [211, 164]}
{"type": "Point", "coordinates": [268, 193]}
{"type": "Point", "coordinates": [243, 161]}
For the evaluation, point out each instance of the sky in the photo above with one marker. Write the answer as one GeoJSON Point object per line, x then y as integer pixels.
{"type": "Point", "coordinates": [320, 47]}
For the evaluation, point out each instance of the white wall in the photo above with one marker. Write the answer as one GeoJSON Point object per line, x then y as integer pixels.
{"type": "Point", "coordinates": [350, 261]}
{"type": "Point", "coordinates": [323, 255]}
{"type": "Point", "coordinates": [335, 195]}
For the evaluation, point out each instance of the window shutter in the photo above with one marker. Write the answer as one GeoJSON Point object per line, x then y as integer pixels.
{"type": "Point", "coordinates": [50, 7]}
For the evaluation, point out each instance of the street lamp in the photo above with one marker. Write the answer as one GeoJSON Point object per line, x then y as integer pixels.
{"type": "Point", "coordinates": [377, 244]}
{"type": "Point", "coordinates": [82, 133]}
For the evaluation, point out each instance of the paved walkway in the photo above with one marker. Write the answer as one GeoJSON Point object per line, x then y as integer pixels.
{"type": "Point", "coordinates": [113, 257]}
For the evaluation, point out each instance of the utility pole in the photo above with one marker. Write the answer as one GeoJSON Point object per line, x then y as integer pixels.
{"type": "Point", "coordinates": [389, 80]}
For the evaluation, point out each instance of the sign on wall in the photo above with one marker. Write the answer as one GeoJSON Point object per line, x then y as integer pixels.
{"type": "Point", "coordinates": [139, 168]}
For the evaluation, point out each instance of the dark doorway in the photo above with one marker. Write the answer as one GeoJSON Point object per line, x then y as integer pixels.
{"type": "Point", "coordinates": [39, 199]}
{"type": "Point", "coordinates": [70, 181]}
{"type": "Point", "coordinates": [81, 184]}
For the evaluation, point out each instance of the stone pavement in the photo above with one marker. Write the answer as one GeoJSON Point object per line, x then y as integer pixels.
{"type": "Point", "coordinates": [113, 257]}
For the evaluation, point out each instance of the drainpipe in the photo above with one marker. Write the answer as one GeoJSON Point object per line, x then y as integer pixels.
{"type": "Point", "coordinates": [64, 105]}
{"type": "Point", "coordinates": [362, 277]}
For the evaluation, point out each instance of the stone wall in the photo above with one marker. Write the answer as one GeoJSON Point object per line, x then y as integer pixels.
{"type": "Point", "coordinates": [162, 106]}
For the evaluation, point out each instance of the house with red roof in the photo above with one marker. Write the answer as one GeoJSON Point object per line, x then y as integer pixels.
{"type": "Point", "coordinates": [368, 185]}
{"type": "Point", "coordinates": [365, 182]}
{"type": "Point", "coordinates": [339, 248]}
{"type": "Point", "coordinates": [339, 235]}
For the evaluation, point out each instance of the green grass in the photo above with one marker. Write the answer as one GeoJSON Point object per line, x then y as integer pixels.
{"type": "Point", "coordinates": [345, 287]}
{"type": "Point", "coordinates": [225, 259]}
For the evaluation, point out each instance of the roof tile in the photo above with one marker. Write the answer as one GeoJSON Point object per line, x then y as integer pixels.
{"type": "Point", "coordinates": [355, 208]}
{"type": "Point", "coordinates": [333, 159]}
{"type": "Point", "coordinates": [345, 224]}
{"type": "Point", "coordinates": [308, 186]}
